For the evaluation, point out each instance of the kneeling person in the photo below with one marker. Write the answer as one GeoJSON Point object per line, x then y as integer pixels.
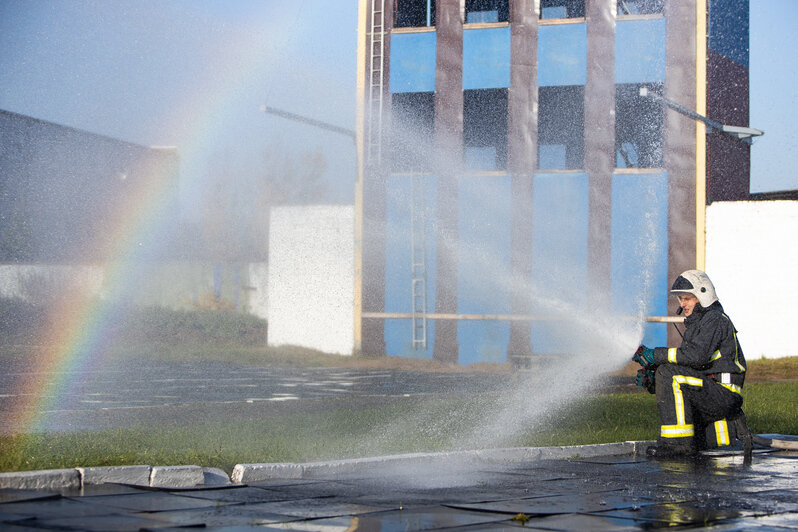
{"type": "Point", "coordinates": [698, 385]}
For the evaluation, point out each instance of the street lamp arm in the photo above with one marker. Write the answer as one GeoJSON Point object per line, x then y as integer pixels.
{"type": "Point", "coordinates": [745, 134]}
{"type": "Point", "coordinates": [310, 121]}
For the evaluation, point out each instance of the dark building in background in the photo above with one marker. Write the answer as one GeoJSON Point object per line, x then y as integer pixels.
{"type": "Point", "coordinates": [68, 195]}
{"type": "Point", "coordinates": [515, 178]}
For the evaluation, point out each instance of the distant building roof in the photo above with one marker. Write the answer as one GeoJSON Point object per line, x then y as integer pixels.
{"type": "Point", "coordinates": [775, 195]}
{"type": "Point", "coordinates": [65, 194]}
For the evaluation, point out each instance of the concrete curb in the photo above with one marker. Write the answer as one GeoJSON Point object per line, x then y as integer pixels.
{"type": "Point", "coordinates": [138, 475]}
{"type": "Point", "coordinates": [191, 476]}
{"type": "Point", "coordinates": [176, 476]}
{"type": "Point", "coordinates": [244, 473]}
{"type": "Point", "coordinates": [41, 480]}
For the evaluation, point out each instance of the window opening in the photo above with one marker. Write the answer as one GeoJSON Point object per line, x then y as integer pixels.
{"type": "Point", "coordinates": [561, 127]}
{"type": "Point", "coordinates": [487, 11]}
{"type": "Point", "coordinates": [640, 7]}
{"type": "Point", "coordinates": [413, 13]}
{"type": "Point", "coordinates": [412, 123]}
{"type": "Point", "coordinates": [485, 129]}
{"type": "Point", "coordinates": [639, 122]}
{"type": "Point", "coordinates": [550, 9]}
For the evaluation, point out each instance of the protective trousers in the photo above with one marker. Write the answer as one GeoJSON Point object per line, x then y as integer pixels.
{"type": "Point", "coordinates": [693, 409]}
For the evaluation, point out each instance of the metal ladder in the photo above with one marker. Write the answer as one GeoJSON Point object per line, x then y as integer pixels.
{"type": "Point", "coordinates": [418, 260]}
{"type": "Point", "coordinates": [376, 83]}
{"type": "Point", "coordinates": [374, 159]}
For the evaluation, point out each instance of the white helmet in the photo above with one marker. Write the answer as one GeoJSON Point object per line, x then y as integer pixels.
{"type": "Point", "coordinates": [697, 283]}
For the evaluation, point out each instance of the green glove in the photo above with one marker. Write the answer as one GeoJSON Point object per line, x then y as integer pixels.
{"type": "Point", "coordinates": [644, 356]}
{"type": "Point", "coordinates": [646, 379]}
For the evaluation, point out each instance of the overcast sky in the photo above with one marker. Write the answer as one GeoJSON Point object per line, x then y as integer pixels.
{"type": "Point", "coordinates": [194, 73]}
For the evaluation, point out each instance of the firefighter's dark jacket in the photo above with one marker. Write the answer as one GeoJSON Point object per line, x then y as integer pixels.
{"type": "Point", "coordinates": [710, 345]}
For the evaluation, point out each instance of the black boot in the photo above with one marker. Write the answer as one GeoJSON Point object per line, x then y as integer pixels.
{"type": "Point", "coordinates": [671, 451]}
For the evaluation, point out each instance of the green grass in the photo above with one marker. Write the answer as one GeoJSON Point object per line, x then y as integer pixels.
{"type": "Point", "coordinates": [294, 437]}
{"type": "Point", "coordinates": [602, 419]}
{"type": "Point", "coordinates": [348, 433]}
{"type": "Point", "coordinates": [771, 407]}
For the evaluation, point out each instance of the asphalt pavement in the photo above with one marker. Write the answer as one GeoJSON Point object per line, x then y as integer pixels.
{"type": "Point", "coordinates": [129, 393]}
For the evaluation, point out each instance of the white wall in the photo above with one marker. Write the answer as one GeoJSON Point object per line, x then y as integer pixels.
{"type": "Point", "coordinates": [752, 259]}
{"type": "Point", "coordinates": [258, 298]}
{"type": "Point", "coordinates": [40, 283]}
{"type": "Point", "coordinates": [311, 277]}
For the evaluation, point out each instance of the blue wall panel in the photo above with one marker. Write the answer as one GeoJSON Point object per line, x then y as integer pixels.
{"type": "Point", "coordinates": [486, 58]}
{"type": "Point", "coordinates": [728, 29]}
{"type": "Point", "coordinates": [559, 259]}
{"type": "Point", "coordinates": [483, 267]}
{"type": "Point", "coordinates": [398, 274]}
{"type": "Point", "coordinates": [562, 55]}
{"type": "Point", "coordinates": [640, 51]}
{"type": "Point", "coordinates": [640, 249]}
{"type": "Point", "coordinates": [412, 62]}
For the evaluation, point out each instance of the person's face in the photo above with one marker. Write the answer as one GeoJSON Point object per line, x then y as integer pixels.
{"type": "Point", "coordinates": [688, 303]}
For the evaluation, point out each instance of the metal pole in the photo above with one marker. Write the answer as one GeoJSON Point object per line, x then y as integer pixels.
{"type": "Point", "coordinates": [310, 121]}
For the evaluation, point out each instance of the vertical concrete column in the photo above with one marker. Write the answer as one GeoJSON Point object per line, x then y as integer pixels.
{"type": "Point", "coordinates": [522, 128]}
{"type": "Point", "coordinates": [680, 141]}
{"type": "Point", "coordinates": [373, 237]}
{"type": "Point", "coordinates": [600, 144]}
{"type": "Point", "coordinates": [449, 164]}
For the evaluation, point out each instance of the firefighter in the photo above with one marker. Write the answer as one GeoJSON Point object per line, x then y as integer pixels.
{"type": "Point", "coordinates": [698, 385]}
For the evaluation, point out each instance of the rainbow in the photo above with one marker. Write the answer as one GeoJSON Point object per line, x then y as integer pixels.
{"type": "Point", "coordinates": [78, 325]}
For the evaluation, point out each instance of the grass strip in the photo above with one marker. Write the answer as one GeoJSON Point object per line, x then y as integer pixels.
{"type": "Point", "coordinates": [349, 433]}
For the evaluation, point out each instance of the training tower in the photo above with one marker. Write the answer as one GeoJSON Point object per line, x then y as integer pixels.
{"type": "Point", "coordinates": [513, 172]}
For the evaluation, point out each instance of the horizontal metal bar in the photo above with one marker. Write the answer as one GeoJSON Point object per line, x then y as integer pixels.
{"type": "Point", "coordinates": [496, 317]}
{"type": "Point", "coordinates": [310, 121]}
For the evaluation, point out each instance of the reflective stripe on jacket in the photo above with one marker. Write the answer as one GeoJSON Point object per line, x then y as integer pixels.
{"type": "Point", "coordinates": [710, 345]}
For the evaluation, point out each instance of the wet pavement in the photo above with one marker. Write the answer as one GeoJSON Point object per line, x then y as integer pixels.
{"type": "Point", "coordinates": [127, 393]}
{"type": "Point", "coordinates": [153, 383]}
{"type": "Point", "coordinates": [600, 493]}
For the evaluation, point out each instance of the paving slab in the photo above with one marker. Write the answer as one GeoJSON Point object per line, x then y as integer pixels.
{"type": "Point", "coordinates": [426, 518]}
{"type": "Point", "coordinates": [22, 495]}
{"type": "Point", "coordinates": [115, 522]}
{"type": "Point", "coordinates": [563, 504]}
{"type": "Point", "coordinates": [59, 507]}
{"type": "Point", "coordinates": [687, 513]}
{"type": "Point", "coordinates": [773, 523]}
{"type": "Point", "coordinates": [232, 516]}
{"type": "Point", "coordinates": [20, 526]}
{"type": "Point", "coordinates": [316, 507]}
{"type": "Point", "coordinates": [239, 495]}
{"type": "Point", "coordinates": [578, 492]}
{"type": "Point", "coordinates": [148, 501]}
{"type": "Point", "coordinates": [570, 522]}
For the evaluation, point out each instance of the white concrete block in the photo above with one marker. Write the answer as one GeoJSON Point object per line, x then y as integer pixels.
{"type": "Point", "coordinates": [186, 476]}
{"type": "Point", "coordinates": [311, 277]}
{"type": "Point", "coordinates": [41, 480]}
{"type": "Point", "coordinates": [243, 473]}
{"type": "Point", "coordinates": [137, 475]}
